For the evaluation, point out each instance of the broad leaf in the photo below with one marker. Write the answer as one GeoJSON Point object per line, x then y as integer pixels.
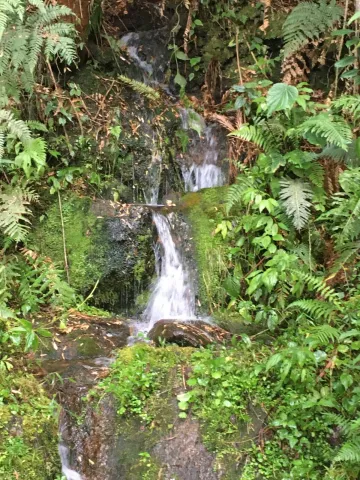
{"type": "Point", "coordinates": [281, 97]}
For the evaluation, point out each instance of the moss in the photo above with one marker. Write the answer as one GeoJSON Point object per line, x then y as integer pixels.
{"type": "Point", "coordinates": [203, 210]}
{"type": "Point", "coordinates": [84, 242]}
{"type": "Point", "coordinates": [101, 250]}
{"type": "Point", "coordinates": [28, 430]}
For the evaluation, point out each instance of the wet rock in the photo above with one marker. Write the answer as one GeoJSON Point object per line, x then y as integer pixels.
{"type": "Point", "coordinates": [192, 333]}
{"type": "Point", "coordinates": [184, 456]}
{"type": "Point", "coordinates": [89, 337]}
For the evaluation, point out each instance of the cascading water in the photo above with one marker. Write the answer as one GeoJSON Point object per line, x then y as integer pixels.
{"type": "Point", "coordinates": [208, 173]}
{"type": "Point", "coordinates": [64, 457]}
{"type": "Point", "coordinates": [173, 296]}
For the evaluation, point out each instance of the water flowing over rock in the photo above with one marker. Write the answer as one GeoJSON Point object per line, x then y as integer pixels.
{"type": "Point", "coordinates": [149, 52]}
{"type": "Point", "coordinates": [69, 474]}
{"type": "Point", "coordinates": [203, 166]}
{"type": "Point", "coordinates": [173, 295]}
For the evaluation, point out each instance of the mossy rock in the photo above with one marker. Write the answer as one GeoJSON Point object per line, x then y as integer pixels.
{"type": "Point", "coordinates": [28, 430]}
{"type": "Point", "coordinates": [204, 211]}
{"type": "Point", "coordinates": [103, 249]}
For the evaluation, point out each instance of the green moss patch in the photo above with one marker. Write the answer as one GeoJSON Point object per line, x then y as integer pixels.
{"type": "Point", "coordinates": [204, 211]}
{"type": "Point", "coordinates": [28, 430]}
{"type": "Point", "coordinates": [83, 236]}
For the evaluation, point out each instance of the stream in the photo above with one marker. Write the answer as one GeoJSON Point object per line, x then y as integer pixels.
{"type": "Point", "coordinates": [172, 298]}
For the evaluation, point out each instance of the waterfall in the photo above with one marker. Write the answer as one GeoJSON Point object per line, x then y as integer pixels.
{"type": "Point", "coordinates": [173, 296]}
{"type": "Point", "coordinates": [207, 173]}
{"type": "Point", "coordinates": [64, 453]}
{"type": "Point", "coordinates": [130, 40]}
{"type": "Point", "coordinates": [64, 457]}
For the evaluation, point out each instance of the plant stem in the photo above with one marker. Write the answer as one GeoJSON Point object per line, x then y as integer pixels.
{"type": "Point", "coordinates": [238, 56]}
{"type": "Point", "coordinates": [340, 48]}
{"type": "Point", "coordinates": [64, 239]}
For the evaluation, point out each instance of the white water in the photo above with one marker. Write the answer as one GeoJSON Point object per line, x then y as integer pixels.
{"type": "Point", "coordinates": [66, 471]}
{"type": "Point", "coordinates": [173, 296]}
{"type": "Point", "coordinates": [208, 173]}
{"type": "Point", "coordinates": [130, 40]}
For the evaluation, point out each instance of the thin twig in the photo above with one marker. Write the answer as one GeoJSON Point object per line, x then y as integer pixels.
{"type": "Point", "coordinates": [238, 56]}
{"type": "Point", "coordinates": [64, 239]}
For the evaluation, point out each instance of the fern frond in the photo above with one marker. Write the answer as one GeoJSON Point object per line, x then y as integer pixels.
{"type": "Point", "coordinates": [322, 335]}
{"type": "Point", "coordinates": [349, 105]}
{"type": "Point", "coordinates": [308, 21]}
{"type": "Point", "coordinates": [334, 130]}
{"type": "Point", "coordinates": [318, 285]}
{"type": "Point", "coordinates": [303, 252]}
{"type": "Point", "coordinates": [15, 211]}
{"type": "Point", "coordinates": [349, 452]}
{"type": "Point", "coordinates": [317, 309]}
{"type": "Point", "coordinates": [347, 255]}
{"type": "Point", "coordinates": [295, 196]}
{"type": "Point", "coordinates": [236, 191]}
{"type": "Point", "coordinates": [140, 88]}
{"type": "Point", "coordinates": [259, 135]}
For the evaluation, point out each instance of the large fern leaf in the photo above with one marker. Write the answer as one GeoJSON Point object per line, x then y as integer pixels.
{"type": "Point", "coordinates": [328, 128]}
{"type": "Point", "coordinates": [15, 211]}
{"type": "Point", "coordinates": [295, 196]}
{"type": "Point", "coordinates": [308, 21]}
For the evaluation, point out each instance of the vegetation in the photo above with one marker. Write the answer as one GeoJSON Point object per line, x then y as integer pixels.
{"type": "Point", "coordinates": [278, 249]}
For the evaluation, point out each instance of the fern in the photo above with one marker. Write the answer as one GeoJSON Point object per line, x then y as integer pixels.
{"type": "Point", "coordinates": [322, 335]}
{"type": "Point", "coordinates": [347, 255]}
{"type": "Point", "coordinates": [237, 190]}
{"type": "Point", "coordinates": [140, 88]}
{"type": "Point", "coordinates": [295, 196]}
{"type": "Point", "coordinates": [318, 285]}
{"type": "Point", "coordinates": [15, 211]}
{"type": "Point", "coordinates": [303, 252]}
{"type": "Point", "coordinates": [348, 105]}
{"type": "Point", "coordinates": [317, 309]}
{"type": "Point", "coordinates": [327, 128]}
{"type": "Point", "coordinates": [258, 134]}
{"type": "Point", "coordinates": [349, 452]}
{"type": "Point", "coordinates": [27, 34]}
{"type": "Point", "coordinates": [308, 21]}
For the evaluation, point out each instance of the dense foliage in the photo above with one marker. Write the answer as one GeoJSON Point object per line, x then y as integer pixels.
{"type": "Point", "coordinates": [281, 254]}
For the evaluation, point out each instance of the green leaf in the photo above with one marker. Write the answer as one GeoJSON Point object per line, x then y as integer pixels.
{"type": "Point", "coordinates": [216, 375]}
{"type": "Point", "coordinates": [344, 62]}
{"type": "Point", "coordinates": [183, 405]}
{"type": "Point", "coordinates": [182, 415]}
{"type": "Point", "coordinates": [198, 22]}
{"type": "Point", "coordinates": [180, 80]}
{"type": "Point", "coordinates": [342, 31]}
{"type": "Point", "coordinates": [184, 397]}
{"type": "Point", "coordinates": [350, 74]}
{"type": "Point", "coordinates": [281, 97]}
{"type": "Point", "coordinates": [43, 332]}
{"type": "Point", "coordinates": [194, 61]}
{"type": "Point", "coordinates": [232, 286]}
{"type": "Point", "coordinates": [239, 102]}
{"type": "Point", "coordinates": [354, 17]}
{"type": "Point", "coordinates": [181, 55]}
{"type": "Point", "coordinates": [346, 380]}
